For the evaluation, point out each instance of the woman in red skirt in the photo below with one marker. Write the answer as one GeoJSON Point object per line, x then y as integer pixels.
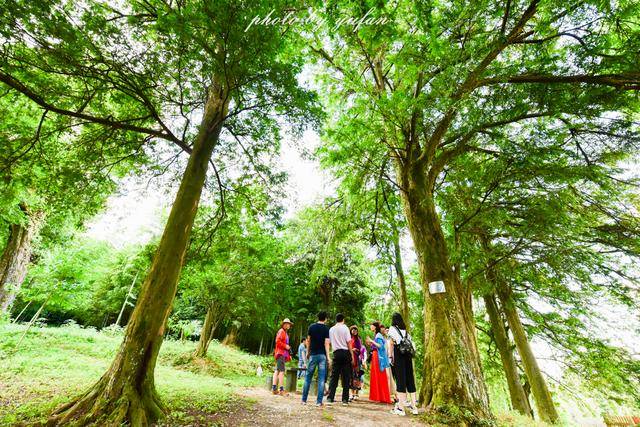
{"type": "Point", "coordinates": [379, 385]}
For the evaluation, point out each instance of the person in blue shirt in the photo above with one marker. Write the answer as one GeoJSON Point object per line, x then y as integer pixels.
{"type": "Point", "coordinates": [302, 358]}
{"type": "Point", "coordinates": [318, 357]}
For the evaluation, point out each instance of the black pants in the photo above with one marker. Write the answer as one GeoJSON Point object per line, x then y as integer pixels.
{"type": "Point", "coordinates": [341, 367]}
{"type": "Point", "coordinates": [403, 372]}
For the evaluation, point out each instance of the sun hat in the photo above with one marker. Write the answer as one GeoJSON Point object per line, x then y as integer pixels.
{"type": "Point", "coordinates": [286, 320]}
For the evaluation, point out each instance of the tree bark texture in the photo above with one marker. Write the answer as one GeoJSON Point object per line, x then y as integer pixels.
{"type": "Point", "coordinates": [211, 321]}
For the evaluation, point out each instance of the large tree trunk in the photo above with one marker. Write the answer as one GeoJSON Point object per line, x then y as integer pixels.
{"type": "Point", "coordinates": [211, 321]}
{"type": "Point", "coordinates": [15, 257]}
{"type": "Point", "coordinates": [452, 373]}
{"type": "Point", "coordinates": [519, 399]}
{"type": "Point", "coordinates": [126, 392]}
{"type": "Point", "coordinates": [542, 396]}
{"type": "Point", "coordinates": [402, 283]}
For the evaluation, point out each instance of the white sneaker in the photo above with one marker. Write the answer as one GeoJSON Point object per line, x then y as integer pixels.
{"type": "Point", "coordinates": [398, 411]}
{"type": "Point", "coordinates": [413, 409]}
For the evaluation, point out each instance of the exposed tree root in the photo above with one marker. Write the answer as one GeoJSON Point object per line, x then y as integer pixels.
{"type": "Point", "coordinates": [111, 402]}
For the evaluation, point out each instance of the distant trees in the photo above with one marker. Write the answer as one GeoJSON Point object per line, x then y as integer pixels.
{"type": "Point", "coordinates": [53, 177]}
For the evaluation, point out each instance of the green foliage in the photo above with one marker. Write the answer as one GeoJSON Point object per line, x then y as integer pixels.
{"type": "Point", "coordinates": [338, 268]}
{"type": "Point", "coordinates": [84, 280]}
{"type": "Point", "coordinates": [54, 364]}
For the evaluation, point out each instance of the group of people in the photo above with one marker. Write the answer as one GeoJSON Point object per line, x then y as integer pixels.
{"type": "Point", "coordinates": [341, 352]}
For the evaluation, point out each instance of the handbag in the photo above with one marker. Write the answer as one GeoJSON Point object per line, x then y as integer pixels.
{"type": "Point", "coordinates": [405, 346]}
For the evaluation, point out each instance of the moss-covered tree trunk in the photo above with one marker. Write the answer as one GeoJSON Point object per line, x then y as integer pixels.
{"type": "Point", "coordinates": [209, 327]}
{"type": "Point", "coordinates": [16, 255]}
{"type": "Point", "coordinates": [541, 395]}
{"type": "Point", "coordinates": [126, 392]}
{"type": "Point", "coordinates": [452, 374]}
{"type": "Point", "coordinates": [402, 283]}
{"type": "Point", "coordinates": [519, 400]}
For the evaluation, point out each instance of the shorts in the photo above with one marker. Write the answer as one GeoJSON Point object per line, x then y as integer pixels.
{"type": "Point", "coordinates": [280, 364]}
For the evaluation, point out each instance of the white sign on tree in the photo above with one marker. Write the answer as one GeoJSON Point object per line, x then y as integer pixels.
{"type": "Point", "coordinates": [436, 287]}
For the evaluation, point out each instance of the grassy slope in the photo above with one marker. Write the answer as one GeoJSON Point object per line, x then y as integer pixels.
{"type": "Point", "coordinates": [52, 365]}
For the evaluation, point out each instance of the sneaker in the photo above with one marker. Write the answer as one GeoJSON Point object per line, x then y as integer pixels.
{"type": "Point", "coordinates": [345, 403]}
{"type": "Point", "coordinates": [398, 411]}
{"type": "Point", "coordinates": [303, 403]}
{"type": "Point", "coordinates": [274, 391]}
{"type": "Point", "coordinates": [329, 402]}
{"type": "Point", "coordinates": [319, 405]}
{"type": "Point", "coordinates": [413, 409]}
{"type": "Point", "coordinates": [283, 393]}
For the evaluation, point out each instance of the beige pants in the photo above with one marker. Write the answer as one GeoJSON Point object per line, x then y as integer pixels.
{"type": "Point", "coordinates": [392, 383]}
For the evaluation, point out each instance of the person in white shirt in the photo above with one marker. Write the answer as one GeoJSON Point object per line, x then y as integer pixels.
{"type": "Point", "coordinates": [340, 338]}
{"type": "Point", "coordinates": [402, 365]}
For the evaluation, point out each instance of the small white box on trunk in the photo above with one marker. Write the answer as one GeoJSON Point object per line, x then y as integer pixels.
{"type": "Point", "coordinates": [436, 287]}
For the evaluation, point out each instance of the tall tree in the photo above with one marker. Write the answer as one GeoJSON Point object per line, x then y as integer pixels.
{"type": "Point", "coordinates": [519, 398]}
{"type": "Point", "coordinates": [430, 85]}
{"type": "Point", "coordinates": [173, 64]}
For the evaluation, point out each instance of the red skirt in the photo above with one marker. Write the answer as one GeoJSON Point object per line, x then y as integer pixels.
{"type": "Point", "coordinates": [379, 386]}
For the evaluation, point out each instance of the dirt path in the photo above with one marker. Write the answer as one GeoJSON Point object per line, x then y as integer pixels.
{"type": "Point", "coordinates": [270, 410]}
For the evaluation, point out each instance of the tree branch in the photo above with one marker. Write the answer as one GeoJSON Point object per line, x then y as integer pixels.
{"type": "Point", "coordinates": [625, 81]}
{"type": "Point", "coordinates": [472, 80]}
{"type": "Point", "coordinates": [20, 87]}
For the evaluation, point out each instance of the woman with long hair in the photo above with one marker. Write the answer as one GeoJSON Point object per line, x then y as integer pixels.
{"type": "Point", "coordinates": [378, 384]}
{"type": "Point", "coordinates": [356, 363]}
{"type": "Point", "coordinates": [402, 362]}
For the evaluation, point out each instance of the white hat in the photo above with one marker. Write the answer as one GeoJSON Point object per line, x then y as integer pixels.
{"type": "Point", "coordinates": [286, 320]}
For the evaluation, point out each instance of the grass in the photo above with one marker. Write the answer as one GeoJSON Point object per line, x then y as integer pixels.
{"type": "Point", "coordinates": [515, 419]}
{"type": "Point", "coordinates": [327, 416]}
{"type": "Point", "coordinates": [52, 365]}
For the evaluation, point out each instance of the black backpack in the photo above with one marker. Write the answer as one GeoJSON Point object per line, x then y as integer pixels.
{"type": "Point", "coordinates": [405, 346]}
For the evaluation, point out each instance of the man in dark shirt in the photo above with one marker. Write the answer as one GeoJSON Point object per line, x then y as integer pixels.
{"type": "Point", "coordinates": [317, 356]}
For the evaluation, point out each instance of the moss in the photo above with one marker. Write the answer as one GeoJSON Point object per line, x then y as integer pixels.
{"type": "Point", "coordinates": [452, 415]}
